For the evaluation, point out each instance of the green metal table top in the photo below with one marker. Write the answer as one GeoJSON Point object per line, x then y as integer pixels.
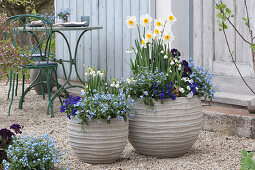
{"type": "Point", "coordinates": [61, 28]}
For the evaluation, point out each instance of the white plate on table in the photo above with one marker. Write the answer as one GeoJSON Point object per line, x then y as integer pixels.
{"type": "Point", "coordinates": [73, 24]}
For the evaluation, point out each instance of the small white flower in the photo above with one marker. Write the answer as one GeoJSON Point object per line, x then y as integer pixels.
{"type": "Point", "coordinates": [117, 85]}
{"type": "Point", "coordinates": [171, 18]}
{"type": "Point", "coordinates": [165, 57]}
{"type": "Point", "coordinates": [181, 90]}
{"type": "Point", "coordinates": [172, 62]}
{"type": "Point", "coordinates": [129, 81]}
{"type": "Point", "coordinates": [190, 95]}
{"type": "Point", "coordinates": [197, 88]}
{"type": "Point", "coordinates": [179, 68]}
{"type": "Point", "coordinates": [188, 87]}
{"type": "Point", "coordinates": [101, 75]}
{"type": "Point", "coordinates": [113, 84]}
{"type": "Point", "coordinates": [162, 52]}
{"type": "Point", "coordinates": [145, 20]}
{"type": "Point", "coordinates": [131, 22]}
{"type": "Point", "coordinates": [98, 72]}
{"type": "Point", "coordinates": [191, 81]}
{"type": "Point", "coordinates": [170, 71]}
{"type": "Point", "coordinates": [93, 72]}
{"type": "Point", "coordinates": [128, 51]}
{"type": "Point", "coordinates": [82, 92]}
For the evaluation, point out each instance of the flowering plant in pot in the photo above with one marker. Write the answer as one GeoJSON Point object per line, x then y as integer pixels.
{"type": "Point", "coordinates": [64, 14]}
{"type": "Point", "coordinates": [97, 121]}
{"type": "Point", "coordinates": [167, 90]}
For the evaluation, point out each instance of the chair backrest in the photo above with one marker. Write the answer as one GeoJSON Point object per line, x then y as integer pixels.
{"type": "Point", "coordinates": [32, 34]}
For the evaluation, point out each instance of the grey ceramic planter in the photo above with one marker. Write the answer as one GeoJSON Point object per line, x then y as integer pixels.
{"type": "Point", "coordinates": [166, 130]}
{"type": "Point", "coordinates": [98, 142]}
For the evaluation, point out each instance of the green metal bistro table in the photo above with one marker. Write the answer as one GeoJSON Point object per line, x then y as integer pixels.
{"type": "Point", "coordinates": [72, 57]}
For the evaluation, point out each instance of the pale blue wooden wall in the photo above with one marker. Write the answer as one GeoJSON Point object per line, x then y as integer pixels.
{"type": "Point", "coordinates": [105, 48]}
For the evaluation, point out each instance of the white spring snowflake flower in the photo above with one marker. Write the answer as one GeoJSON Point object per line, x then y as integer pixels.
{"type": "Point", "coordinates": [165, 57]}
{"type": "Point", "coordinates": [181, 90]}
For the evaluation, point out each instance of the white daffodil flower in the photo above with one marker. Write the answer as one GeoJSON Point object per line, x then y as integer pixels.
{"type": "Point", "coordinates": [171, 18]}
{"type": "Point", "coordinates": [131, 22]}
{"type": "Point", "coordinates": [148, 36]}
{"type": "Point", "coordinates": [145, 20]}
{"type": "Point", "coordinates": [181, 90]}
{"type": "Point", "coordinates": [159, 22]}
{"type": "Point", "coordinates": [156, 32]}
{"type": "Point", "coordinates": [168, 37]}
{"type": "Point", "coordinates": [143, 43]}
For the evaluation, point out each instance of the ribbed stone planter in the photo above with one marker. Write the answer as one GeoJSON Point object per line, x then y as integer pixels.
{"type": "Point", "coordinates": [98, 142]}
{"type": "Point", "coordinates": [166, 130]}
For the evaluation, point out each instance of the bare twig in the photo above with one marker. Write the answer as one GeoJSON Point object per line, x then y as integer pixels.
{"type": "Point", "coordinates": [231, 54]}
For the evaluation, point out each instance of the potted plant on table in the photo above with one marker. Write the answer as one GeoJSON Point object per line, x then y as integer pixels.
{"type": "Point", "coordinates": [63, 15]}
{"type": "Point", "coordinates": [167, 91]}
{"type": "Point", "coordinates": [97, 126]}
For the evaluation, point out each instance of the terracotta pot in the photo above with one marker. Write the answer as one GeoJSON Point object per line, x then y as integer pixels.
{"type": "Point", "coordinates": [99, 141]}
{"type": "Point", "coordinates": [33, 75]}
{"type": "Point", "coordinates": [166, 130]}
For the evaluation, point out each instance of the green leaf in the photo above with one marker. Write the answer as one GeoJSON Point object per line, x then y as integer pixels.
{"type": "Point", "coordinates": [253, 47]}
{"type": "Point", "coordinates": [244, 153]}
{"type": "Point", "coordinates": [220, 29]}
{"type": "Point", "coordinates": [250, 155]}
{"type": "Point", "coordinates": [225, 26]}
{"type": "Point", "coordinates": [228, 11]}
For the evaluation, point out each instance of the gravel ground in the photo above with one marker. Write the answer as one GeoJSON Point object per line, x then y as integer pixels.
{"type": "Point", "coordinates": [211, 150]}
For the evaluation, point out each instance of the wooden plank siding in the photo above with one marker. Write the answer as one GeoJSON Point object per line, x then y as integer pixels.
{"type": "Point", "coordinates": [104, 48]}
{"type": "Point", "coordinates": [210, 47]}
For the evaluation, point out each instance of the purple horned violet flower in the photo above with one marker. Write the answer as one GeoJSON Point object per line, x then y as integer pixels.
{"type": "Point", "coordinates": [187, 70]}
{"type": "Point", "coordinates": [175, 52]}
{"type": "Point", "coordinates": [17, 128]}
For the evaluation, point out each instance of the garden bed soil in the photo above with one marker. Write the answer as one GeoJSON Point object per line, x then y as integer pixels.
{"type": "Point", "coordinates": [211, 150]}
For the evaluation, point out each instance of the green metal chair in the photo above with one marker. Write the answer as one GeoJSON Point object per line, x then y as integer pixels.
{"type": "Point", "coordinates": [30, 38]}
